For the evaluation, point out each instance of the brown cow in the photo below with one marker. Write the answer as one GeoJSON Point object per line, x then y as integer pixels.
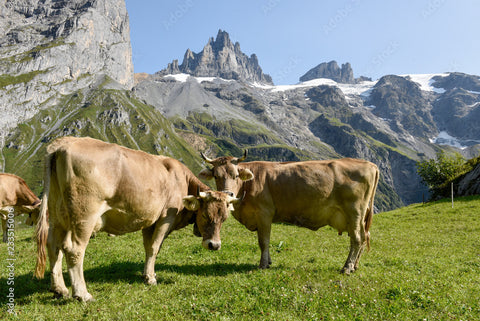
{"type": "Point", "coordinates": [92, 186]}
{"type": "Point", "coordinates": [309, 194]}
{"type": "Point", "coordinates": [15, 198]}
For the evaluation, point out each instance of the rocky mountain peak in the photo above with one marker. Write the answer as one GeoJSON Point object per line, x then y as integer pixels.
{"type": "Point", "coordinates": [220, 58]}
{"type": "Point", "coordinates": [222, 41]}
{"type": "Point", "coordinates": [331, 70]}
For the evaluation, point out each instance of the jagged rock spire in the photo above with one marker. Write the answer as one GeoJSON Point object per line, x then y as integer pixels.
{"type": "Point", "coordinates": [220, 58]}
{"type": "Point", "coordinates": [330, 70]}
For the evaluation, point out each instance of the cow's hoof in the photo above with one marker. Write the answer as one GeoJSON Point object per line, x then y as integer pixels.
{"type": "Point", "coordinates": [150, 280]}
{"type": "Point", "coordinates": [84, 298]}
{"type": "Point", "coordinates": [59, 293]}
{"type": "Point", "coordinates": [264, 266]}
{"type": "Point", "coordinates": [347, 271]}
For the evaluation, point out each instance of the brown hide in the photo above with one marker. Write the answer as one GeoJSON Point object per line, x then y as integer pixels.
{"type": "Point", "coordinates": [309, 194]}
{"type": "Point", "coordinates": [15, 197]}
{"type": "Point", "coordinates": [92, 186]}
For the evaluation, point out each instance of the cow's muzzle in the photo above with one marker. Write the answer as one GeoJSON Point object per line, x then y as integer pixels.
{"type": "Point", "coordinates": [212, 245]}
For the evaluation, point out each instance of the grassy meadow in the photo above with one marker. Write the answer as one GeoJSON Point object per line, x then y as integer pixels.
{"type": "Point", "coordinates": [424, 265]}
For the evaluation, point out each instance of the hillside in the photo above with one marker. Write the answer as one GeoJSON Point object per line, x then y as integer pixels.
{"type": "Point", "coordinates": [109, 114]}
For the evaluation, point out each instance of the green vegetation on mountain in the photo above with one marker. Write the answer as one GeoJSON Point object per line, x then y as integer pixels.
{"type": "Point", "coordinates": [106, 114]}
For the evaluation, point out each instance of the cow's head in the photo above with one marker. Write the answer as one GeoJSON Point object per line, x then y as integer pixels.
{"type": "Point", "coordinates": [212, 209]}
{"type": "Point", "coordinates": [33, 212]}
{"type": "Point", "coordinates": [228, 175]}
{"type": "Point", "coordinates": [33, 216]}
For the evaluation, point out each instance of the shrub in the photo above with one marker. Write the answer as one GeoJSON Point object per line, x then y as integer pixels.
{"type": "Point", "coordinates": [439, 172]}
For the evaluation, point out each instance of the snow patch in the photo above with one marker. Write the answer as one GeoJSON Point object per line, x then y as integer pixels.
{"type": "Point", "coordinates": [178, 77]}
{"type": "Point", "coordinates": [426, 81]}
{"type": "Point", "coordinates": [444, 138]}
{"type": "Point", "coordinates": [361, 89]}
{"type": "Point", "coordinates": [186, 77]}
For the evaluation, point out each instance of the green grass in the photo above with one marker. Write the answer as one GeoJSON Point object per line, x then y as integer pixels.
{"type": "Point", "coordinates": [424, 265]}
{"type": "Point", "coordinates": [6, 80]}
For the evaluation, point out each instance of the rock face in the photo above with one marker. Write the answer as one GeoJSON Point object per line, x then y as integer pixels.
{"type": "Point", "coordinates": [50, 48]}
{"type": "Point", "coordinates": [457, 110]}
{"type": "Point", "coordinates": [330, 70]}
{"type": "Point", "coordinates": [469, 184]}
{"type": "Point", "coordinates": [403, 103]}
{"type": "Point", "coordinates": [220, 58]}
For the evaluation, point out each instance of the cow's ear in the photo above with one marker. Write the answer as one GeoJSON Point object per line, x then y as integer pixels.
{"type": "Point", "coordinates": [191, 203]}
{"type": "Point", "coordinates": [206, 174]}
{"type": "Point", "coordinates": [245, 174]}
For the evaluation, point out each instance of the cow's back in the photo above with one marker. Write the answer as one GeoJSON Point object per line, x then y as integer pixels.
{"type": "Point", "coordinates": [7, 187]}
{"type": "Point", "coordinates": [14, 191]}
{"type": "Point", "coordinates": [132, 183]}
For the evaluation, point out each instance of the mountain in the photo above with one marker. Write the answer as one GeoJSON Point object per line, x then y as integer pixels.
{"type": "Point", "coordinates": [394, 122]}
{"type": "Point", "coordinates": [331, 70]}
{"type": "Point", "coordinates": [220, 58]}
{"type": "Point", "coordinates": [50, 48]}
{"type": "Point", "coordinates": [65, 69]}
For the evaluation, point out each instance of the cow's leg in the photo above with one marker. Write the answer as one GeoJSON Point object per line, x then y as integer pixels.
{"type": "Point", "coordinates": [74, 249]}
{"type": "Point", "coordinates": [152, 241]}
{"type": "Point", "coordinates": [263, 233]}
{"type": "Point", "coordinates": [357, 243]}
{"type": "Point", "coordinates": [362, 248]}
{"type": "Point", "coordinates": [4, 230]}
{"type": "Point", "coordinates": [55, 255]}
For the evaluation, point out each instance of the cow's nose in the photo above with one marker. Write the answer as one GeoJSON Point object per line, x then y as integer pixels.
{"type": "Point", "coordinates": [211, 245]}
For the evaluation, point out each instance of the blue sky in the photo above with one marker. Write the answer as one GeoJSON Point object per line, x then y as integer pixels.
{"type": "Point", "coordinates": [290, 37]}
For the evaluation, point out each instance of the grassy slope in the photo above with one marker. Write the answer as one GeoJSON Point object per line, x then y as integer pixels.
{"type": "Point", "coordinates": [424, 264]}
{"type": "Point", "coordinates": [109, 115]}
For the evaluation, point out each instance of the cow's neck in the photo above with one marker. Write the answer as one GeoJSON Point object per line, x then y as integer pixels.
{"type": "Point", "coordinates": [195, 185]}
{"type": "Point", "coordinates": [25, 196]}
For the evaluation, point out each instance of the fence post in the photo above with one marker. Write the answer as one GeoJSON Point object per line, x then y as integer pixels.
{"type": "Point", "coordinates": [452, 194]}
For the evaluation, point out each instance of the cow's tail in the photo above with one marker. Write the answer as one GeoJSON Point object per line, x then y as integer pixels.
{"type": "Point", "coordinates": [41, 231]}
{"type": "Point", "coordinates": [370, 210]}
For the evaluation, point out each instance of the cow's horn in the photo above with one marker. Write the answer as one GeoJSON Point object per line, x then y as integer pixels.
{"type": "Point", "coordinates": [208, 160]}
{"type": "Point", "coordinates": [241, 159]}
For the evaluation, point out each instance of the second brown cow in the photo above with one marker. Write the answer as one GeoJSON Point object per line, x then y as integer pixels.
{"type": "Point", "coordinates": [310, 194]}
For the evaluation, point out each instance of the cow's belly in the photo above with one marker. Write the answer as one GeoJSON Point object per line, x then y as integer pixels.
{"type": "Point", "coordinates": [314, 219]}
{"type": "Point", "coordinates": [117, 221]}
